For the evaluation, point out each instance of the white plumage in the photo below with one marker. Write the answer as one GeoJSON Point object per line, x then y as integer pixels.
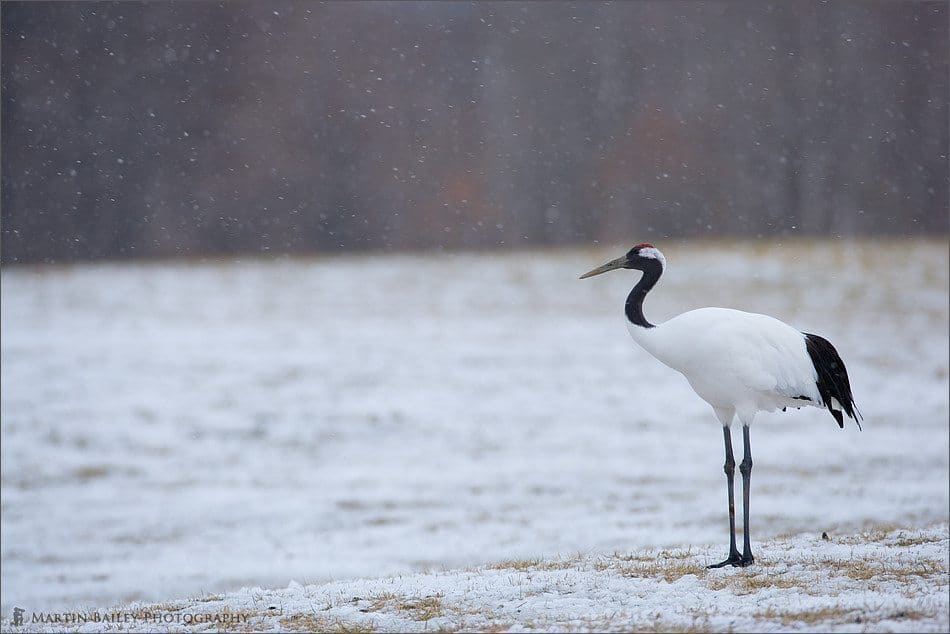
{"type": "Point", "coordinates": [741, 364]}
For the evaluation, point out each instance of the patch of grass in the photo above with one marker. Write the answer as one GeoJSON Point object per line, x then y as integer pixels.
{"type": "Point", "coordinates": [647, 558]}
{"type": "Point", "coordinates": [903, 540]}
{"type": "Point", "coordinates": [625, 623]}
{"type": "Point", "coordinates": [868, 569]}
{"type": "Point", "coordinates": [749, 582]}
{"type": "Point", "coordinates": [351, 505]}
{"type": "Point", "coordinates": [659, 627]}
{"type": "Point", "coordinates": [423, 609]}
{"type": "Point", "coordinates": [836, 614]}
{"type": "Point", "coordinates": [302, 622]}
{"type": "Point", "coordinates": [678, 553]}
{"type": "Point", "coordinates": [516, 564]}
{"type": "Point", "coordinates": [878, 532]}
{"type": "Point", "coordinates": [860, 569]}
{"type": "Point", "coordinates": [606, 563]}
{"type": "Point", "coordinates": [382, 520]}
{"type": "Point", "coordinates": [908, 614]}
{"type": "Point", "coordinates": [669, 571]}
{"type": "Point", "coordinates": [920, 568]}
{"type": "Point", "coordinates": [91, 472]}
{"type": "Point", "coordinates": [380, 601]}
{"type": "Point", "coordinates": [444, 629]}
{"type": "Point", "coordinates": [533, 564]}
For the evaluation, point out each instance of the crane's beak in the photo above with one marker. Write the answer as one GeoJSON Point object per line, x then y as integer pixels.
{"type": "Point", "coordinates": [610, 266]}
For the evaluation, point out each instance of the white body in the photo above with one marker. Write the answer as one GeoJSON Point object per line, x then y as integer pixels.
{"type": "Point", "coordinates": [740, 363]}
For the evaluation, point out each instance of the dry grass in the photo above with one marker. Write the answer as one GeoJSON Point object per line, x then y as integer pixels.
{"type": "Point", "coordinates": [914, 540]}
{"type": "Point", "coordinates": [669, 571]}
{"type": "Point", "coordinates": [678, 553]}
{"type": "Point", "coordinates": [750, 582]}
{"type": "Point", "coordinates": [426, 609]}
{"type": "Point", "coordinates": [423, 609]}
{"type": "Point", "coordinates": [516, 564]}
{"type": "Point", "coordinates": [91, 472]}
{"type": "Point", "coordinates": [629, 557]}
{"type": "Point", "coordinates": [668, 564]}
{"type": "Point", "coordinates": [312, 623]}
{"type": "Point", "coordinates": [698, 626]}
{"type": "Point", "coordinates": [870, 569]}
{"type": "Point", "coordinates": [909, 615]}
{"type": "Point", "coordinates": [533, 564]}
{"type": "Point", "coordinates": [622, 623]}
{"type": "Point", "coordinates": [871, 572]}
{"type": "Point", "coordinates": [833, 614]}
{"type": "Point", "coordinates": [380, 601]}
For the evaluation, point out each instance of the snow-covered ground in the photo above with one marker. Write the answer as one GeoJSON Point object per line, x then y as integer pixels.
{"type": "Point", "coordinates": [178, 429]}
{"type": "Point", "coordinates": [890, 581]}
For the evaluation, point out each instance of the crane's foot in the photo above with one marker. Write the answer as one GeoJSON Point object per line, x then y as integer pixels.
{"type": "Point", "coordinates": [735, 559]}
{"type": "Point", "coordinates": [747, 560]}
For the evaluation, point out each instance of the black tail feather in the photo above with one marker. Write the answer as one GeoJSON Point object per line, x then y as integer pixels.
{"type": "Point", "coordinates": [832, 380]}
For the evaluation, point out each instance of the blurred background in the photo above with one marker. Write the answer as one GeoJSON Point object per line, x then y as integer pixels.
{"type": "Point", "coordinates": [165, 129]}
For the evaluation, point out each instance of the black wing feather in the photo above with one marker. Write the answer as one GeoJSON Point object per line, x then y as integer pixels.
{"type": "Point", "coordinates": [832, 380]}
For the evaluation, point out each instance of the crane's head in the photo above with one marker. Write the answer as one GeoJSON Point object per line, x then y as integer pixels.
{"type": "Point", "coordinates": [642, 257]}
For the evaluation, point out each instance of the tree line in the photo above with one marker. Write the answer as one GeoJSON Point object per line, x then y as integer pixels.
{"type": "Point", "coordinates": [141, 129]}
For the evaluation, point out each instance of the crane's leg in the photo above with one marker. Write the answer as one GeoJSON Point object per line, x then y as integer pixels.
{"type": "Point", "coordinates": [730, 469]}
{"type": "Point", "coordinates": [746, 469]}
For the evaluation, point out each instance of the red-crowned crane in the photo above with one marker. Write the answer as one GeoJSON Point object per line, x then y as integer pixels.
{"type": "Point", "coordinates": [741, 364]}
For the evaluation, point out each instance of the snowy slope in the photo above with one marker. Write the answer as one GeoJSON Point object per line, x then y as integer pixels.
{"type": "Point", "coordinates": [170, 429]}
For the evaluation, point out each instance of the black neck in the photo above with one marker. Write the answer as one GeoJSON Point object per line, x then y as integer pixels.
{"type": "Point", "coordinates": [634, 307]}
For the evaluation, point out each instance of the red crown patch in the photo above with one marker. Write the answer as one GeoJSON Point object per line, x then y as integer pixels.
{"type": "Point", "coordinates": [645, 245]}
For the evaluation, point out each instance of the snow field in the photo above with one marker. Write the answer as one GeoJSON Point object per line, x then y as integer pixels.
{"type": "Point", "coordinates": [173, 429]}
